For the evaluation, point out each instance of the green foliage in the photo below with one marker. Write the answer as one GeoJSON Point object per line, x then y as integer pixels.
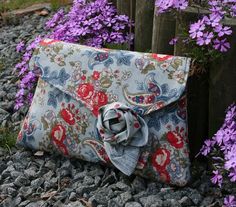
{"type": "Point", "coordinates": [18, 4]}
{"type": "Point", "coordinates": [117, 46]}
{"type": "Point", "coordinates": [56, 4]}
{"type": "Point", "coordinates": [7, 138]}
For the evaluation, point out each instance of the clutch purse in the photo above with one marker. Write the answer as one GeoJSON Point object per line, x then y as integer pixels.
{"type": "Point", "coordinates": [120, 108]}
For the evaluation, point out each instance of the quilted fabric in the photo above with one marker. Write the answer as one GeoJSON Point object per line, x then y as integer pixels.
{"type": "Point", "coordinates": [76, 81]}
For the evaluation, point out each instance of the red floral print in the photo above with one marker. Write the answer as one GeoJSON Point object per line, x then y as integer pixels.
{"type": "Point", "coordinates": [96, 75]}
{"type": "Point", "coordinates": [182, 103]}
{"type": "Point", "coordinates": [161, 58]}
{"type": "Point", "coordinates": [160, 104]}
{"type": "Point", "coordinates": [58, 135]}
{"type": "Point", "coordinates": [85, 91]}
{"type": "Point", "coordinates": [25, 123]}
{"type": "Point", "coordinates": [164, 176]}
{"type": "Point", "coordinates": [83, 77]}
{"type": "Point", "coordinates": [160, 159]}
{"type": "Point", "coordinates": [149, 99]}
{"type": "Point", "coordinates": [99, 99]}
{"type": "Point", "coordinates": [93, 99]}
{"type": "Point", "coordinates": [68, 116]}
{"type": "Point", "coordinates": [46, 42]}
{"type": "Point", "coordinates": [20, 136]}
{"type": "Point", "coordinates": [175, 139]}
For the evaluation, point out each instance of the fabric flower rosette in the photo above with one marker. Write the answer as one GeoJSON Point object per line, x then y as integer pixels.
{"type": "Point", "coordinates": [123, 133]}
{"type": "Point", "coordinates": [120, 108]}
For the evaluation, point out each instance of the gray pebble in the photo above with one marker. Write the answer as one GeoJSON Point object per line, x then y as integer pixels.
{"type": "Point", "coordinates": [152, 199]}
{"type": "Point", "coordinates": [133, 204]}
{"type": "Point", "coordinates": [21, 181]}
{"type": "Point", "coordinates": [37, 183]}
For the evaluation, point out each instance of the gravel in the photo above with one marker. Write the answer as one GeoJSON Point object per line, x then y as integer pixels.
{"type": "Point", "coordinates": [28, 28]}
{"type": "Point", "coordinates": [86, 186]}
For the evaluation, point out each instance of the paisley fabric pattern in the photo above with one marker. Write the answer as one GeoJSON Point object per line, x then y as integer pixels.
{"type": "Point", "coordinates": [76, 81]}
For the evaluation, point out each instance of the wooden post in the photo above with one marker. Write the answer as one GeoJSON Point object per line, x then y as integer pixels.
{"type": "Point", "coordinates": [197, 92]}
{"type": "Point", "coordinates": [143, 25]}
{"type": "Point", "coordinates": [163, 32]}
{"type": "Point", "coordinates": [222, 87]}
{"type": "Point", "coordinates": [126, 7]}
{"type": "Point", "coordinates": [114, 2]}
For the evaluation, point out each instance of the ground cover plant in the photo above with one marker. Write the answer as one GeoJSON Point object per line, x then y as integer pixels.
{"type": "Point", "coordinates": [221, 150]}
{"type": "Point", "coordinates": [94, 23]}
{"type": "Point", "coordinates": [207, 38]}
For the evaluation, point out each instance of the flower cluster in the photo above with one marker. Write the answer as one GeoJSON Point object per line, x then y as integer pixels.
{"type": "Point", "coordinates": [222, 150]}
{"type": "Point", "coordinates": [163, 5]}
{"type": "Point", "coordinates": [28, 78]}
{"type": "Point", "coordinates": [208, 32]}
{"type": "Point", "coordinates": [94, 23]}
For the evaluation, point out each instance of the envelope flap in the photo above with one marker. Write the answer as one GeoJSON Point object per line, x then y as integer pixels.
{"type": "Point", "coordinates": [146, 82]}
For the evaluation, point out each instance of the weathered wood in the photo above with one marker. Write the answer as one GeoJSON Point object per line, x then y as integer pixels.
{"type": "Point", "coordinates": [126, 7]}
{"type": "Point", "coordinates": [163, 32]}
{"type": "Point", "coordinates": [197, 95]}
{"type": "Point", "coordinates": [143, 25]}
{"type": "Point", "coordinates": [114, 2]}
{"type": "Point", "coordinates": [198, 92]}
{"type": "Point", "coordinates": [222, 87]}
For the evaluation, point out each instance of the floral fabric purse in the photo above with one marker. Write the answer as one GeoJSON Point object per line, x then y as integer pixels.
{"type": "Point", "coordinates": [121, 108]}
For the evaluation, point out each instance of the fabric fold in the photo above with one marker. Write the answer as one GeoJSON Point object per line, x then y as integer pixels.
{"type": "Point", "coordinates": [123, 133]}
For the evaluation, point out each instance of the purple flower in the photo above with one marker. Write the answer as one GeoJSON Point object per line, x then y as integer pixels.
{"type": "Point", "coordinates": [223, 30]}
{"type": "Point", "coordinates": [217, 178]}
{"type": "Point", "coordinates": [163, 5]}
{"type": "Point", "coordinates": [205, 39]}
{"type": "Point", "coordinates": [196, 29]}
{"type": "Point", "coordinates": [20, 46]}
{"type": "Point", "coordinates": [232, 175]}
{"type": "Point", "coordinates": [219, 136]}
{"type": "Point", "coordinates": [18, 104]}
{"type": "Point", "coordinates": [230, 201]}
{"type": "Point", "coordinates": [21, 92]}
{"type": "Point", "coordinates": [206, 148]}
{"type": "Point", "coordinates": [181, 4]}
{"type": "Point", "coordinates": [174, 41]}
{"type": "Point", "coordinates": [23, 69]}
{"type": "Point", "coordinates": [20, 65]}
{"type": "Point", "coordinates": [223, 150]}
{"type": "Point", "coordinates": [230, 157]}
{"type": "Point", "coordinates": [27, 56]}
{"type": "Point", "coordinates": [221, 45]}
{"type": "Point", "coordinates": [55, 19]}
{"type": "Point", "coordinates": [30, 97]}
{"type": "Point", "coordinates": [213, 3]}
{"type": "Point", "coordinates": [213, 20]}
{"type": "Point", "coordinates": [230, 115]}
